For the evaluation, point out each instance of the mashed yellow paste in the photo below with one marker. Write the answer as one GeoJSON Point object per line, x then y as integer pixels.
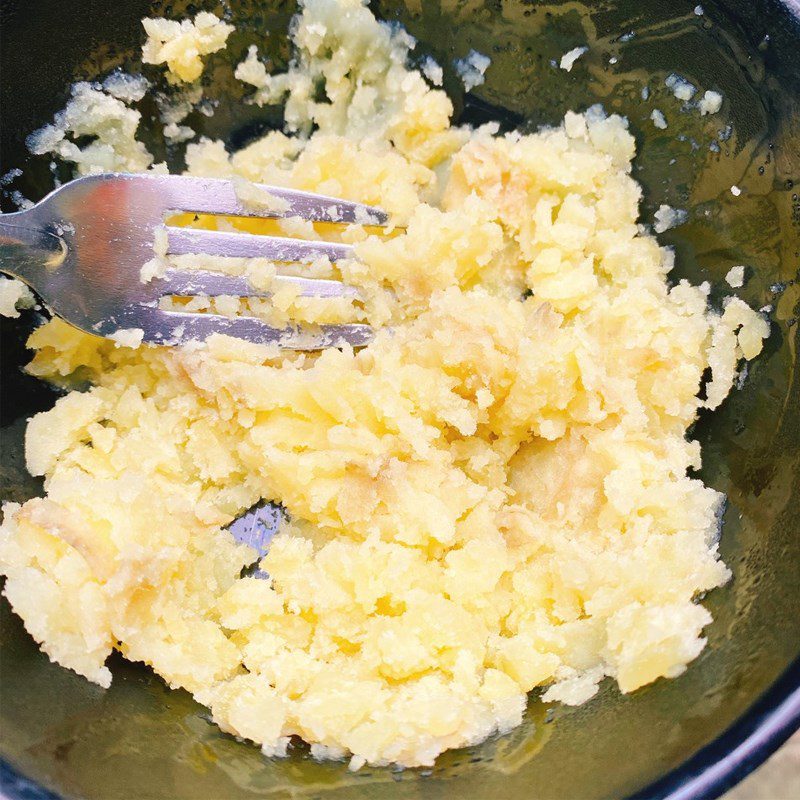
{"type": "Point", "coordinates": [491, 497]}
{"type": "Point", "coordinates": [181, 45]}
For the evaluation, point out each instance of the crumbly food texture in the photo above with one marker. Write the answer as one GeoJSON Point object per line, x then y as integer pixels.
{"type": "Point", "coordinates": [182, 45]}
{"type": "Point", "coordinates": [108, 123]}
{"type": "Point", "coordinates": [489, 498]}
{"type": "Point", "coordinates": [14, 295]}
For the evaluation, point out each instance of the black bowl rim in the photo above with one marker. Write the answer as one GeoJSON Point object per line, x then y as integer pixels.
{"type": "Point", "coordinates": [714, 769]}
{"type": "Point", "coordinates": [739, 750]}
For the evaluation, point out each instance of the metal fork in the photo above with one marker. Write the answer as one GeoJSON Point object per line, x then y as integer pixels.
{"type": "Point", "coordinates": [82, 249]}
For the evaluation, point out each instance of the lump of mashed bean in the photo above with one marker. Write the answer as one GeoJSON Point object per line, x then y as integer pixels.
{"type": "Point", "coordinates": [489, 498]}
{"type": "Point", "coordinates": [471, 69]}
{"type": "Point", "coordinates": [735, 277]}
{"type": "Point", "coordinates": [710, 103]}
{"type": "Point", "coordinates": [568, 59]}
{"type": "Point", "coordinates": [182, 45]}
{"type": "Point", "coordinates": [109, 124]}
{"type": "Point", "coordinates": [14, 295]}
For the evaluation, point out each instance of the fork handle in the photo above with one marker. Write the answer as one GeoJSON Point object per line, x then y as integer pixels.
{"type": "Point", "coordinates": [27, 250]}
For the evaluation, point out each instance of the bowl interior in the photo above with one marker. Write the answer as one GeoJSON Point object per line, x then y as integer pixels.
{"type": "Point", "coordinates": [139, 738]}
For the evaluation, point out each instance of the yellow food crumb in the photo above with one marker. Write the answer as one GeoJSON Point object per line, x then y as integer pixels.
{"type": "Point", "coordinates": [181, 45]}
{"type": "Point", "coordinates": [109, 124]}
{"type": "Point", "coordinates": [257, 198]}
{"type": "Point", "coordinates": [127, 337]}
{"type": "Point", "coordinates": [489, 498]}
{"type": "Point", "coordinates": [14, 295]}
{"type": "Point", "coordinates": [735, 277]}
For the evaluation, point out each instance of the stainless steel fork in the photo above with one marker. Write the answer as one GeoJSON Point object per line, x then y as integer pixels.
{"type": "Point", "coordinates": [82, 249]}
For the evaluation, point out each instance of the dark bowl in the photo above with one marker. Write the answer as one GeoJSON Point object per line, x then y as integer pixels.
{"type": "Point", "coordinates": [691, 737]}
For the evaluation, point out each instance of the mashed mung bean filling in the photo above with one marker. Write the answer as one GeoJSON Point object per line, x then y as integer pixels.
{"type": "Point", "coordinates": [489, 498]}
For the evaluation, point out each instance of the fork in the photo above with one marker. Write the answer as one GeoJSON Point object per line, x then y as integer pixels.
{"type": "Point", "coordinates": [83, 246]}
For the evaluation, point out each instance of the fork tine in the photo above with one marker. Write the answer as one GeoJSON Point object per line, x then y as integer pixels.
{"type": "Point", "coordinates": [218, 196]}
{"type": "Point", "coordinates": [186, 283]}
{"type": "Point", "coordinates": [185, 327]}
{"type": "Point", "coordinates": [162, 327]}
{"type": "Point", "coordinates": [182, 241]}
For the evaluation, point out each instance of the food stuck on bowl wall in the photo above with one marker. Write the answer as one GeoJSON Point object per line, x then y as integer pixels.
{"type": "Point", "coordinates": [491, 497]}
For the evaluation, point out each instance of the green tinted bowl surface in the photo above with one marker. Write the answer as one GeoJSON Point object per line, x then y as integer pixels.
{"type": "Point", "coordinates": [139, 739]}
